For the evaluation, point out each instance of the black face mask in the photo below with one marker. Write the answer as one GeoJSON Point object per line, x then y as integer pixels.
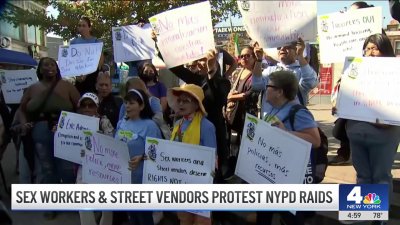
{"type": "Point", "coordinates": [148, 77]}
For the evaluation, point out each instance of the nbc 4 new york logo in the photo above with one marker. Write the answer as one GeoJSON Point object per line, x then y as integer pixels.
{"type": "Point", "coordinates": [363, 197]}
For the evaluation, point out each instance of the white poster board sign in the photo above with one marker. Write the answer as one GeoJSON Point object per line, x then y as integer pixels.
{"type": "Point", "coordinates": [343, 34]}
{"type": "Point", "coordinates": [269, 155]}
{"type": "Point", "coordinates": [277, 23]}
{"type": "Point", "coordinates": [76, 122]}
{"type": "Point", "coordinates": [14, 82]}
{"type": "Point", "coordinates": [132, 43]}
{"type": "Point", "coordinates": [105, 161]}
{"type": "Point", "coordinates": [185, 34]}
{"type": "Point", "coordinates": [370, 90]}
{"type": "Point", "coordinates": [69, 138]}
{"type": "Point", "coordinates": [171, 162]}
{"type": "Point", "coordinates": [79, 59]}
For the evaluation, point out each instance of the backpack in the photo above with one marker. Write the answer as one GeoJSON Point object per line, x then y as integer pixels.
{"type": "Point", "coordinates": [320, 154]}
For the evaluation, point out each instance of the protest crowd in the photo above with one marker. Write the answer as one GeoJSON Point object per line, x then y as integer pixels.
{"type": "Point", "coordinates": [210, 112]}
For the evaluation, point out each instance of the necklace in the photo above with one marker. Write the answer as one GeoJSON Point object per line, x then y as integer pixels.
{"type": "Point", "coordinates": [269, 115]}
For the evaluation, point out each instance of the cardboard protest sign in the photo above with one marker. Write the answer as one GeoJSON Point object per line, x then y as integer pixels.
{"type": "Point", "coordinates": [277, 23]}
{"type": "Point", "coordinates": [69, 138]}
{"type": "Point", "coordinates": [14, 82]}
{"type": "Point", "coordinates": [185, 34]}
{"type": "Point", "coordinates": [132, 43]}
{"type": "Point", "coordinates": [80, 59]}
{"type": "Point", "coordinates": [171, 162]}
{"type": "Point", "coordinates": [369, 90]}
{"type": "Point", "coordinates": [343, 34]}
{"type": "Point", "coordinates": [105, 161]}
{"type": "Point", "coordinates": [266, 154]}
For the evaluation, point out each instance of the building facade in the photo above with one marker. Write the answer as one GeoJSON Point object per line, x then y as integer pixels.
{"type": "Point", "coordinates": [24, 38]}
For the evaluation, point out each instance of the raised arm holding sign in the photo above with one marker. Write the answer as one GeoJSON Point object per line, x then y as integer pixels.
{"type": "Point", "coordinates": [184, 34]}
{"type": "Point", "coordinates": [132, 43]}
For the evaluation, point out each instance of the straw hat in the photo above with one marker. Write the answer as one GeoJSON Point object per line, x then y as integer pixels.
{"type": "Point", "coordinates": [193, 90]}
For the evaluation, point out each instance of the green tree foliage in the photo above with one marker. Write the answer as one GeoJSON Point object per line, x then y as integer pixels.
{"type": "Point", "coordinates": [104, 14]}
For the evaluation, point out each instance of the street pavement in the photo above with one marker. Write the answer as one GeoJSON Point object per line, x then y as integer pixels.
{"type": "Point", "coordinates": [335, 174]}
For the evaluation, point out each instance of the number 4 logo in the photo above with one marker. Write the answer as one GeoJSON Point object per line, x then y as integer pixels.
{"type": "Point", "coordinates": [355, 195]}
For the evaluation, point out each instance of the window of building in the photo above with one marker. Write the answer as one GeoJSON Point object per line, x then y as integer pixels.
{"type": "Point", "coordinates": [397, 48]}
{"type": "Point", "coordinates": [35, 35]}
{"type": "Point", "coordinates": [8, 30]}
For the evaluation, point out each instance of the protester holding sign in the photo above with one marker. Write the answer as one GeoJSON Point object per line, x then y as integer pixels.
{"type": "Point", "coordinates": [343, 152]}
{"type": "Point", "coordinates": [216, 89]}
{"type": "Point", "coordinates": [193, 128]}
{"type": "Point", "coordinates": [41, 104]}
{"type": "Point", "coordinates": [291, 58]}
{"type": "Point", "coordinates": [241, 100]}
{"type": "Point", "coordinates": [86, 83]}
{"type": "Point", "coordinates": [374, 145]}
{"type": "Point", "coordinates": [133, 129]}
{"type": "Point", "coordinates": [148, 73]}
{"type": "Point", "coordinates": [88, 105]}
{"type": "Point", "coordinates": [280, 94]}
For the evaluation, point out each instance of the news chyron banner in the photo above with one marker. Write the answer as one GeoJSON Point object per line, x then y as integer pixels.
{"type": "Point", "coordinates": [354, 202]}
{"type": "Point", "coordinates": [363, 202]}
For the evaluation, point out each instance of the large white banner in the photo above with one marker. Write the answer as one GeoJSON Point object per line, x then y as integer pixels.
{"type": "Point", "coordinates": [14, 82]}
{"type": "Point", "coordinates": [105, 161]}
{"type": "Point", "coordinates": [370, 90]}
{"type": "Point", "coordinates": [267, 154]}
{"type": "Point", "coordinates": [171, 162]}
{"type": "Point", "coordinates": [343, 34]}
{"type": "Point", "coordinates": [276, 23]}
{"type": "Point", "coordinates": [185, 34]}
{"type": "Point", "coordinates": [69, 138]}
{"type": "Point", "coordinates": [80, 59]}
{"type": "Point", "coordinates": [132, 43]}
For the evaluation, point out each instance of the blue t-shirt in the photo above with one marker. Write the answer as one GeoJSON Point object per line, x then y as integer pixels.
{"type": "Point", "coordinates": [80, 40]}
{"type": "Point", "coordinates": [303, 119]}
{"type": "Point", "coordinates": [207, 132]}
{"type": "Point", "coordinates": [134, 132]}
{"type": "Point", "coordinates": [155, 106]}
{"type": "Point", "coordinates": [158, 90]}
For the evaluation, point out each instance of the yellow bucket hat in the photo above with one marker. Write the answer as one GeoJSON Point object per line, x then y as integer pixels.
{"type": "Point", "coordinates": [193, 90]}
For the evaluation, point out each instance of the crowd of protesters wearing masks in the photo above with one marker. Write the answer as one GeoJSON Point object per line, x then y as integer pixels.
{"type": "Point", "coordinates": [205, 111]}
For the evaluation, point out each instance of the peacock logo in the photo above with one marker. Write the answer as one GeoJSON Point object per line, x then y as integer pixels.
{"type": "Point", "coordinates": [372, 198]}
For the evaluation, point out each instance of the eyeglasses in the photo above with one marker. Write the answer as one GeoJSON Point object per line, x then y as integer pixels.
{"type": "Point", "coordinates": [245, 56]}
{"type": "Point", "coordinates": [271, 86]}
{"type": "Point", "coordinates": [184, 101]}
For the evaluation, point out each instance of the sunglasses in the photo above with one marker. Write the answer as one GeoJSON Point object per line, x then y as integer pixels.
{"type": "Point", "coordinates": [245, 56]}
{"type": "Point", "coordinates": [286, 47]}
